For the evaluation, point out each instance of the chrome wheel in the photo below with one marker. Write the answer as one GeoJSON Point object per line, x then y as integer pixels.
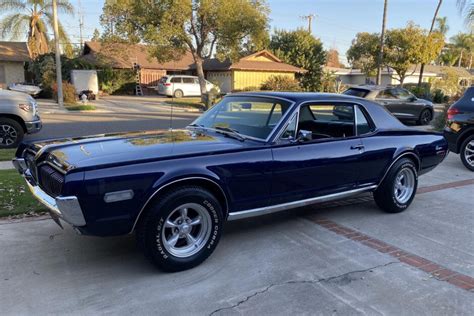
{"type": "Point", "coordinates": [404, 185]}
{"type": "Point", "coordinates": [8, 135]}
{"type": "Point", "coordinates": [469, 153]}
{"type": "Point", "coordinates": [186, 230]}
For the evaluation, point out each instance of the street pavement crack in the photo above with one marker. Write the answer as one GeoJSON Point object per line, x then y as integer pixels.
{"type": "Point", "coordinates": [328, 279]}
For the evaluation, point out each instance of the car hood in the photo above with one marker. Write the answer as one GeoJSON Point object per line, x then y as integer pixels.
{"type": "Point", "coordinates": [122, 148]}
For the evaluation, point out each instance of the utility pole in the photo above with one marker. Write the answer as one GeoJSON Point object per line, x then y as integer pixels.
{"type": "Point", "coordinates": [309, 17]}
{"type": "Point", "coordinates": [81, 23]}
{"type": "Point", "coordinates": [59, 79]}
{"type": "Point", "coordinates": [382, 40]}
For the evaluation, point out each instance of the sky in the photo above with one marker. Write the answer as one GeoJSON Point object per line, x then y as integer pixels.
{"type": "Point", "coordinates": [336, 22]}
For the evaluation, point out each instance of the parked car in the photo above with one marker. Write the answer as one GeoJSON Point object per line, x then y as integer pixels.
{"type": "Point", "coordinates": [459, 130]}
{"type": "Point", "coordinates": [400, 102]}
{"type": "Point", "coordinates": [30, 89]}
{"type": "Point", "coordinates": [251, 154]}
{"type": "Point", "coordinates": [179, 86]}
{"type": "Point", "coordinates": [18, 116]}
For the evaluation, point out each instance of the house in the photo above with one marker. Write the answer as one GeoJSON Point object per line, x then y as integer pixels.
{"type": "Point", "coordinates": [389, 76]}
{"type": "Point", "coordinates": [13, 56]}
{"type": "Point", "coordinates": [123, 56]}
{"type": "Point", "coordinates": [247, 73]}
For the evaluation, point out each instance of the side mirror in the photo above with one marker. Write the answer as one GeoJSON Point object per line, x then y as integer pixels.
{"type": "Point", "coordinates": [413, 98]}
{"type": "Point", "coordinates": [303, 136]}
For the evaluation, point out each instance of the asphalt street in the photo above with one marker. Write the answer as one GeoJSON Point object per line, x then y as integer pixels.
{"type": "Point", "coordinates": [345, 258]}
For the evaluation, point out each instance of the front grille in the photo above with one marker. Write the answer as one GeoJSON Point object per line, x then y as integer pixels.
{"type": "Point", "coordinates": [50, 180]}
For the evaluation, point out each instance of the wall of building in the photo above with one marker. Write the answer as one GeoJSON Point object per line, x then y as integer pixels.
{"type": "Point", "coordinates": [11, 72]}
{"type": "Point", "coordinates": [223, 79]}
{"type": "Point", "coordinates": [253, 79]}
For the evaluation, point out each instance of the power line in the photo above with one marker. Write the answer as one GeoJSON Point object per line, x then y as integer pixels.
{"type": "Point", "coordinates": [308, 17]}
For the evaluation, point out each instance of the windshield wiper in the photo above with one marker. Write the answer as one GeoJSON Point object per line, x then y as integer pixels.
{"type": "Point", "coordinates": [231, 132]}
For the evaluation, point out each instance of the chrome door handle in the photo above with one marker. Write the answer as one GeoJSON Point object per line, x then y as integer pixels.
{"type": "Point", "coordinates": [359, 147]}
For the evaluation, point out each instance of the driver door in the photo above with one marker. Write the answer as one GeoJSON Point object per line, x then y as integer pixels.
{"type": "Point", "coordinates": [324, 164]}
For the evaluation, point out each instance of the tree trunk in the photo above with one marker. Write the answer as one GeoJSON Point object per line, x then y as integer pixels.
{"type": "Point", "coordinates": [460, 58]}
{"type": "Point", "coordinates": [202, 80]}
{"type": "Point", "coordinates": [382, 35]}
{"type": "Point", "coordinates": [422, 68]}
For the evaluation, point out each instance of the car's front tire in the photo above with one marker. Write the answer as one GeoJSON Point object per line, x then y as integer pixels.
{"type": "Point", "coordinates": [398, 189]}
{"type": "Point", "coordinates": [11, 133]}
{"type": "Point", "coordinates": [181, 229]}
{"type": "Point", "coordinates": [467, 153]}
{"type": "Point", "coordinates": [425, 117]}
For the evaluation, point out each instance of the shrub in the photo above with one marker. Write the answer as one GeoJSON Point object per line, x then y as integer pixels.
{"type": "Point", "coordinates": [69, 92]}
{"type": "Point", "coordinates": [116, 81]}
{"type": "Point", "coordinates": [281, 83]}
{"type": "Point", "coordinates": [440, 120]}
{"type": "Point", "coordinates": [439, 96]}
{"type": "Point", "coordinates": [423, 92]}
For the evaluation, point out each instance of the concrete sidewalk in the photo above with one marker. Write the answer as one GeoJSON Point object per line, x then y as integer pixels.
{"type": "Point", "coordinates": [5, 165]}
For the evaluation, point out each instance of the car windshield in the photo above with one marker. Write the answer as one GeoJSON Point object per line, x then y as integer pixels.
{"type": "Point", "coordinates": [361, 93]}
{"type": "Point", "coordinates": [249, 116]}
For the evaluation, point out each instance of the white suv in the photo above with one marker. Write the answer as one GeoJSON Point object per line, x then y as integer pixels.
{"type": "Point", "coordinates": [182, 86]}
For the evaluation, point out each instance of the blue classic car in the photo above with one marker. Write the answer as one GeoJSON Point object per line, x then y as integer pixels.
{"type": "Point", "coordinates": [249, 155]}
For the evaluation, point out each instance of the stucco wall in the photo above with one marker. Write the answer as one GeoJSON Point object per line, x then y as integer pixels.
{"type": "Point", "coordinates": [222, 78]}
{"type": "Point", "coordinates": [254, 79]}
{"type": "Point", "coordinates": [11, 72]}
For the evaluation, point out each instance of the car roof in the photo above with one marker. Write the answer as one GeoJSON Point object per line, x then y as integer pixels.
{"type": "Point", "coordinates": [169, 76]}
{"type": "Point", "coordinates": [298, 97]}
{"type": "Point", "coordinates": [371, 87]}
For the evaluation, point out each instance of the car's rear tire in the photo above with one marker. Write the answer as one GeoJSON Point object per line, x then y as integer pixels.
{"type": "Point", "coordinates": [181, 229]}
{"type": "Point", "coordinates": [11, 133]}
{"type": "Point", "coordinates": [178, 94]}
{"type": "Point", "coordinates": [425, 117]}
{"type": "Point", "coordinates": [398, 189]}
{"type": "Point", "coordinates": [467, 153]}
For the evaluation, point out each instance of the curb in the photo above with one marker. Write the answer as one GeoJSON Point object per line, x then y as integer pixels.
{"type": "Point", "coordinates": [6, 165]}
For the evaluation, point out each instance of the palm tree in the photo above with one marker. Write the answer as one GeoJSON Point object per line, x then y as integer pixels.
{"type": "Point", "coordinates": [463, 43]}
{"type": "Point", "coordinates": [466, 7]}
{"type": "Point", "coordinates": [34, 18]}
{"type": "Point", "coordinates": [442, 25]}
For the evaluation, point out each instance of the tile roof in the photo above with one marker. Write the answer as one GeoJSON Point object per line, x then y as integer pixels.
{"type": "Point", "coordinates": [14, 51]}
{"type": "Point", "coordinates": [140, 54]}
{"type": "Point", "coordinates": [131, 53]}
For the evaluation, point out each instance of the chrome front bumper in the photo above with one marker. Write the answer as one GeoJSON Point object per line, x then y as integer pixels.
{"type": "Point", "coordinates": [66, 208]}
{"type": "Point", "coordinates": [33, 126]}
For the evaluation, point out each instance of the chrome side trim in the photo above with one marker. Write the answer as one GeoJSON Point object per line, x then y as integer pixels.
{"type": "Point", "coordinates": [398, 158]}
{"type": "Point", "coordinates": [285, 206]}
{"type": "Point", "coordinates": [173, 182]}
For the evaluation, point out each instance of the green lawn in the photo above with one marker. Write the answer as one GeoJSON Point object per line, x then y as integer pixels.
{"type": "Point", "coordinates": [186, 102]}
{"type": "Point", "coordinates": [7, 154]}
{"type": "Point", "coordinates": [15, 198]}
{"type": "Point", "coordinates": [79, 107]}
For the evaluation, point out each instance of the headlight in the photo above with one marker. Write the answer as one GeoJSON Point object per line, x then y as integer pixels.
{"type": "Point", "coordinates": [26, 107]}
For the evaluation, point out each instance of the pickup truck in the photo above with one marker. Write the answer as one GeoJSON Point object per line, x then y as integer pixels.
{"type": "Point", "coordinates": [18, 116]}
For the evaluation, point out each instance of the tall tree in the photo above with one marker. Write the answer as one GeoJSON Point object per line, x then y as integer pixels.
{"type": "Point", "coordinates": [464, 44]}
{"type": "Point", "coordinates": [300, 48]}
{"type": "Point", "coordinates": [333, 58]}
{"type": "Point", "coordinates": [35, 18]}
{"type": "Point", "coordinates": [382, 39]}
{"type": "Point", "coordinates": [410, 46]}
{"type": "Point", "coordinates": [364, 52]}
{"type": "Point", "coordinates": [172, 27]}
{"type": "Point", "coordinates": [442, 25]}
{"type": "Point", "coordinates": [433, 21]}
{"type": "Point", "coordinates": [466, 7]}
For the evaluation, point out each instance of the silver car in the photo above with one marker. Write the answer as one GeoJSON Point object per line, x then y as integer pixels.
{"type": "Point", "coordinates": [18, 116]}
{"type": "Point", "coordinates": [179, 86]}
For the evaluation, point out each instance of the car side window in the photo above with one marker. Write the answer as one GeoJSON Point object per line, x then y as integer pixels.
{"type": "Point", "coordinates": [328, 120]}
{"type": "Point", "coordinates": [290, 130]}
{"type": "Point", "coordinates": [175, 80]}
{"type": "Point", "coordinates": [386, 94]}
{"type": "Point", "coordinates": [401, 94]}
{"type": "Point", "coordinates": [188, 80]}
{"type": "Point", "coordinates": [362, 123]}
